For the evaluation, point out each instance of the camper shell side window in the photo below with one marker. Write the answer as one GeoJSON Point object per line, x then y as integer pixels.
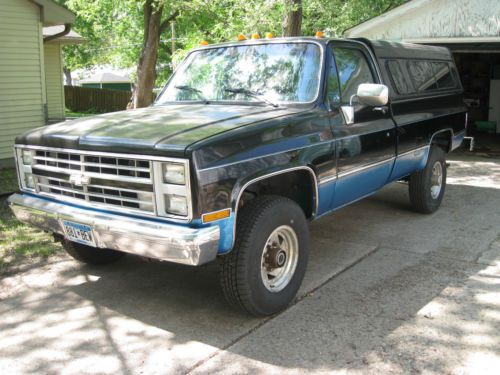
{"type": "Point", "coordinates": [417, 77]}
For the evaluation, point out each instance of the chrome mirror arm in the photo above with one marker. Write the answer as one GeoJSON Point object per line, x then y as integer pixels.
{"type": "Point", "coordinates": [351, 100]}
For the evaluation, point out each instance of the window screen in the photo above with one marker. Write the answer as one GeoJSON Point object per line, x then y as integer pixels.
{"type": "Point", "coordinates": [397, 69]}
{"type": "Point", "coordinates": [353, 70]}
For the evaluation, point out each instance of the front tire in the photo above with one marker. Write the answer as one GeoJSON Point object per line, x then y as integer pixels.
{"type": "Point", "coordinates": [91, 255]}
{"type": "Point", "coordinates": [263, 272]}
{"type": "Point", "coordinates": [427, 186]}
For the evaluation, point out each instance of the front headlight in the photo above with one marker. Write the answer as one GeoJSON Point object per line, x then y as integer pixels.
{"type": "Point", "coordinates": [27, 156]}
{"type": "Point", "coordinates": [29, 180]}
{"type": "Point", "coordinates": [172, 188]}
{"type": "Point", "coordinates": [24, 163]}
{"type": "Point", "coordinates": [176, 205]}
{"type": "Point", "coordinates": [174, 173]}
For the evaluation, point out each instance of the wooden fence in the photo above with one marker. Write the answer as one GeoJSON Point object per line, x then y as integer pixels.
{"type": "Point", "coordinates": [83, 99]}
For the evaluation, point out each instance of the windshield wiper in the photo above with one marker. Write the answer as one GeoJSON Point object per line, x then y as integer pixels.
{"type": "Point", "coordinates": [192, 89]}
{"type": "Point", "coordinates": [254, 94]}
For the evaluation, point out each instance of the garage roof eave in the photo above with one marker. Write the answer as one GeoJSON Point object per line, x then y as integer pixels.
{"type": "Point", "coordinates": [455, 40]}
{"type": "Point", "coordinates": [54, 14]}
{"type": "Point", "coordinates": [71, 38]}
{"type": "Point", "coordinates": [394, 13]}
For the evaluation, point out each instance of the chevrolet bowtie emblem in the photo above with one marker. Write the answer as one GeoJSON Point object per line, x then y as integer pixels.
{"type": "Point", "coordinates": [79, 179]}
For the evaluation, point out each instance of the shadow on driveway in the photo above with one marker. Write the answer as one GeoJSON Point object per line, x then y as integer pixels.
{"type": "Point", "coordinates": [403, 308]}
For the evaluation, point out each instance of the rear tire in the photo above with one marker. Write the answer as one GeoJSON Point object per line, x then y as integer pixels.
{"type": "Point", "coordinates": [263, 272]}
{"type": "Point", "coordinates": [91, 255]}
{"type": "Point", "coordinates": [427, 186]}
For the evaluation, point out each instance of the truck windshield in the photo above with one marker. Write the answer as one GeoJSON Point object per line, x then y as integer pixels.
{"type": "Point", "coordinates": [275, 72]}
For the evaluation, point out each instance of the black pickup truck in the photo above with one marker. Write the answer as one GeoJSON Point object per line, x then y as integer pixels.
{"type": "Point", "coordinates": [246, 143]}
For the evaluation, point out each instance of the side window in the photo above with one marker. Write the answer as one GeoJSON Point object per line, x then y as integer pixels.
{"type": "Point", "coordinates": [353, 70]}
{"type": "Point", "coordinates": [422, 74]}
{"type": "Point", "coordinates": [399, 74]}
{"type": "Point", "coordinates": [333, 89]}
{"type": "Point", "coordinates": [444, 76]}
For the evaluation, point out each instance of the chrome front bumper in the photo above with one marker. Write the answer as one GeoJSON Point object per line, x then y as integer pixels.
{"type": "Point", "coordinates": [174, 243]}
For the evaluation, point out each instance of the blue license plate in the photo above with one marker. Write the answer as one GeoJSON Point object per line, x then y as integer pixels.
{"type": "Point", "coordinates": [80, 233]}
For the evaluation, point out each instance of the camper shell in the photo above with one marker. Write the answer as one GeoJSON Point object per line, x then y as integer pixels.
{"type": "Point", "coordinates": [415, 70]}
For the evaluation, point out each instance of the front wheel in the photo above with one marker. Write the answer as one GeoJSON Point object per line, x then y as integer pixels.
{"type": "Point", "coordinates": [427, 186]}
{"type": "Point", "coordinates": [263, 272]}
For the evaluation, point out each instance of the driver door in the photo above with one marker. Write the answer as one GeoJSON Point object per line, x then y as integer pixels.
{"type": "Point", "coordinates": [365, 149]}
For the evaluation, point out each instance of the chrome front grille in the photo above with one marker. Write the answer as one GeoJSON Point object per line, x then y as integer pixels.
{"type": "Point", "coordinates": [115, 181]}
{"type": "Point", "coordinates": [118, 166]}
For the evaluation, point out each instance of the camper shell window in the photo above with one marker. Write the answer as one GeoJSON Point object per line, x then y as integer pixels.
{"type": "Point", "coordinates": [421, 76]}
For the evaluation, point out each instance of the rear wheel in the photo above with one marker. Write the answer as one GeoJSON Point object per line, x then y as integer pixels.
{"type": "Point", "coordinates": [91, 255]}
{"type": "Point", "coordinates": [263, 272]}
{"type": "Point", "coordinates": [427, 186]}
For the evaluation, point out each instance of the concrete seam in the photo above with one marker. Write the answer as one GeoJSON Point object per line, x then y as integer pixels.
{"type": "Point", "coordinates": [431, 255]}
{"type": "Point", "coordinates": [266, 320]}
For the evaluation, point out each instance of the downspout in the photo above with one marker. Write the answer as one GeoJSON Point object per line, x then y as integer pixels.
{"type": "Point", "coordinates": [67, 29]}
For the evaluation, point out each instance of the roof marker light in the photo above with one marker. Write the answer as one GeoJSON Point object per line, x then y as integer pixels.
{"type": "Point", "coordinates": [203, 43]}
{"type": "Point", "coordinates": [241, 37]}
{"type": "Point", "coordinates": [320, 34]}
{"type": "Point", "coordinates": [269, 35]}
{"type": "Point", "coordinates": [255, 36]}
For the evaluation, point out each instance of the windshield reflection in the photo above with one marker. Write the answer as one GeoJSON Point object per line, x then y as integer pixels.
{"type": "Point", "coordinates": [276, 72]}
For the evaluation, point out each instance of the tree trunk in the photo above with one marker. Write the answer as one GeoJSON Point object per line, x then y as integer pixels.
{"type": "Point", "coordinates": [67, 76]}
{"type": "Point", "coordinates": [293, 19]}
{"type": "Point", "coordinates": [146, 69]}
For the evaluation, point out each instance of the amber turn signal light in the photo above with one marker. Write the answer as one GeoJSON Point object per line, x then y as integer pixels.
{"type": "Point", "coordinates": [217, 215]}
{"type": "Point", "coordinates": [241, 37]}
{"type": "Point", "coordinates": [203, 43]}
{"type": "Point", "coordinates": [320, 34]}
{"type": "Point", "coordinates": [255, 36]}
{"type": "Point", "coordinates": [269, 35]}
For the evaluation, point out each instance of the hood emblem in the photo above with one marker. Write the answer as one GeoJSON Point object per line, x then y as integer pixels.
{"type": "Point", "coordinates": [79, 179]}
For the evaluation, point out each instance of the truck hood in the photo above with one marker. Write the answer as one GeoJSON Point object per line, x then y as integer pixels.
{"type": "Point", "coordinates": [164, 130]}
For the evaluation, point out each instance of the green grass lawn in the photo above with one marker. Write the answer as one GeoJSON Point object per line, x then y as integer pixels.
{"type": "Point", "coordinates": [19, 243]}
{"type": "Point", "coordinates": [70, 113]}
{"type": "Point", "coordinates": [8, 181]}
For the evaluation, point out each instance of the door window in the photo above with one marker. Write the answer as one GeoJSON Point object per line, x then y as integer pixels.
{"type": "Point", "coordinates": [333, 89]}
{"type": "Point", "coordinates": [353, 70]}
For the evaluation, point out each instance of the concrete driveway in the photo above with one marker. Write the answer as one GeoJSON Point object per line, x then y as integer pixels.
{"type": "Point", "coordinates": [386, 291]}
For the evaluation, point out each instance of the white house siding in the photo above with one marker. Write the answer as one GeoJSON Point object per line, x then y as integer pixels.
{"type": "Point", "coordinates": [53, 80]}
{"type": "Point", "coordinates": [419, 19]}
{"type": "Point", "coordinates": [22, 91]}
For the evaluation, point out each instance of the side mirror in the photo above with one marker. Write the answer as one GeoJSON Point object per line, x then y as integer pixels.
{"type": "Point", "coordinates": [373, 94]}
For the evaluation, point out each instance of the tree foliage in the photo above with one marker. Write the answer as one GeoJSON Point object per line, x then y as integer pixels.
{"type": "Point", "coordinates": [114, 29]}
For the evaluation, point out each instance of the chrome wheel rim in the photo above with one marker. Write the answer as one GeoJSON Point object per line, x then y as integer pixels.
{"type": "Point", "coordinates": [436, 179]}
{"type": "Point", "coordinates": [279, 258]}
